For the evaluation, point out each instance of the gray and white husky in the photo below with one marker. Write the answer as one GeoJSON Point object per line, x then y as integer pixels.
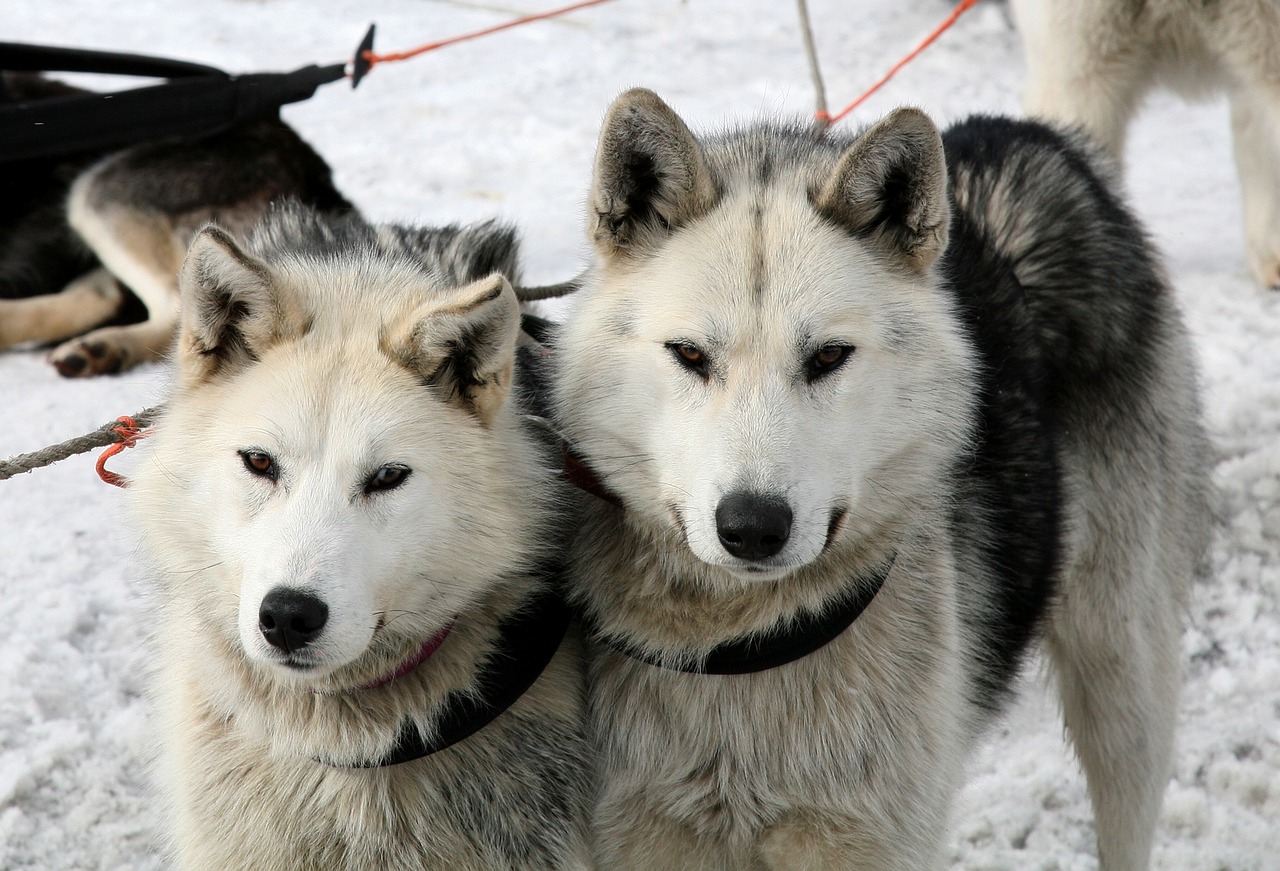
{"type": "Point", "coordinates": [1091, 63]}
{"type": "Point", "coordinates": [875, 412]}
{"type": "Point", "coordinates": [359, 657]}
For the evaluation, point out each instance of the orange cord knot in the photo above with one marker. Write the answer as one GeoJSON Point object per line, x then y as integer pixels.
{"type": "Point", "coordinates": [128, 434]}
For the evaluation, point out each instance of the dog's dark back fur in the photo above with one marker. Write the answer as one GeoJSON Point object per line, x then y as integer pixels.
{"type": "Point", "coordinates": [39, 252]}
{"type": "Point", "coordinates": [1066, 302]}
{"type": "Point", "coordinates": [187, 182]}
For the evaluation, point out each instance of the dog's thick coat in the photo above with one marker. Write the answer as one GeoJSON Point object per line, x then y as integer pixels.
{"type": "Point", "coordinates": [1091, 62]}
{"type": "Point", "coordinates": [801, 356]}
{"type": "Point", "coordinates": [78, 233]}
{"type": "Point", "coordinates": [343, 433]}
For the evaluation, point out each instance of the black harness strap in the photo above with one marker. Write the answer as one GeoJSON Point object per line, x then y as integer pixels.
{"type": "Point", "coordinates": [196, 101]}
{"type": "Point", "coordinates": [761, 651]}
{"type": "Point", "coordinates": [21, 57]}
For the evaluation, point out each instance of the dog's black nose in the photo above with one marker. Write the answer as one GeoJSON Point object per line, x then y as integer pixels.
{"type": "Point", "coordinates": [752, 526]}
{"type": "Point", "coordinates": [291, 619]}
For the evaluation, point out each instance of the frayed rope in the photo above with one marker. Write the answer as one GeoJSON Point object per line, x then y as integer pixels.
{"type": "Point", "coordinates": [114, 433]}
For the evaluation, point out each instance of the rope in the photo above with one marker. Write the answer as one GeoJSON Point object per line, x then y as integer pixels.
{"type": "Point", "coordinates": [963, 7]}
{"type": "Point", "coordinates": [107, 434]}
{"type": "Point", "coordinates": [815, 68]}
{"type": "Point", "coordinates": [375, 59]}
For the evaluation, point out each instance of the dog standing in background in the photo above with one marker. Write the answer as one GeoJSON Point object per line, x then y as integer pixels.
{"type": "Point", "coordinates": [83, 237]}
{"type": "Point", "coordinates": [362, 662]}
{"type": "Point", "coordinates": [875, 412]}
{"type": "Point", "coordinates": [1090, 63]}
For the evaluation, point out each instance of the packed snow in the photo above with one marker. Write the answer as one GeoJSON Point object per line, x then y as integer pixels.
{"type": "Point", "coordinates": [506, 126]}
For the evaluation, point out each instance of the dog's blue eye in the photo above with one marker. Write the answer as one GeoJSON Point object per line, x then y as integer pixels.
{"type": "Point", "coordinates": [826, 360]}
{"type": "Point", "coordinates": [259, 463]}
{"type": "Point", "coordinates": [690, 356]}
{"type": "Point", "coordinates": [386, 478]}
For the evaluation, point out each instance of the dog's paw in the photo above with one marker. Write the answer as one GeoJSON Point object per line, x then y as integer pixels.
{"type": "Point", "coordinates": [83, 358]}
{"type": "Point", "coordinates": [1268, 273]}
{"type": "Point", "coordinates": [1264, 262]}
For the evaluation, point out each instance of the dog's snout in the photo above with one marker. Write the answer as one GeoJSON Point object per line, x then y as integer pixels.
{"type": "Point", "coordinates": [753, 526]}
{"type": "Point", "coordinates": [291, 619]}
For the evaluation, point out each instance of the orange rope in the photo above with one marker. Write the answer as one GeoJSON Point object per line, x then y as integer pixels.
{"type": "Point", "coordinates": [375, 59]}
{"type": "Point", "coordinates": [129, 433]}
{"type": "Point", "coordinates": [963, 7]}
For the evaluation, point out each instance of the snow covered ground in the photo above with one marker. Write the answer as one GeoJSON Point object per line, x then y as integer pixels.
{"type": "Point", "coordinates": [506, 126]}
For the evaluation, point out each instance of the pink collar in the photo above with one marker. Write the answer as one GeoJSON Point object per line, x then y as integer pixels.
{"type": "Point", "coordinates": [430, 646]}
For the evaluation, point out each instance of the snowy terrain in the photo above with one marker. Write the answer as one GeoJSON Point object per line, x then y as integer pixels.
{"type": "Point", "coordinates": [506, 126]}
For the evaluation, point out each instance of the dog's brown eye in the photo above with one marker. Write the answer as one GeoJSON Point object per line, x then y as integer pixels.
{"type": "Point", "coordinates": [386, 478]}
{"type": "Point", "coordinates": [690, 356]}
{"type": "Point", "coordinates": [259, 463]}
{"type": "Point", "coordinates": [827, 359]}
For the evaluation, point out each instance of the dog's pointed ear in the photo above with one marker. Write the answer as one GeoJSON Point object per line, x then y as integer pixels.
{"type": "Point", "coordinates": [464, 345]}
{"type": "Point", "coordinates": [891, 186]}
{"type": "Point", "coordinates": [650, 175]}
{"type": "Point", "coordinates": [230, 308]}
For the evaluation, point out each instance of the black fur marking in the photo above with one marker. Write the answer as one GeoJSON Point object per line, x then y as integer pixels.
{"type": "Point", "coordinates": [225, 315]}
{"type": "Point", "coordinates": [1061, 307]}
{"type": "Point", "coordinates": [638, 183]}
{"type": "Point", "coordinates": [456, 377]}
{"type": "Point", "coordinates": [448, 257]}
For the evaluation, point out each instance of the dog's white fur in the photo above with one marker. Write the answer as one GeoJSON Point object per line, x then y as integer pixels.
{"type": "Point", "coordinates": [1090, 62]}
{"type": "Point", "coordinates": [326, 366]}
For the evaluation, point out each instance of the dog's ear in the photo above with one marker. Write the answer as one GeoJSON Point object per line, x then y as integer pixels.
{"type": "Point", "coordinates": [230, 308]}
{"type": "Point", "coordinates": [464, 345]}
{"type": "Point", "coordinates": [891, 186]}
{"type": "Point", "coordinates": [650, 175]}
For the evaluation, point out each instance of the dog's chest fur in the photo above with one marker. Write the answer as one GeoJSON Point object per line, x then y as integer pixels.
{"type": "Point", "coordinates": [731, 755]}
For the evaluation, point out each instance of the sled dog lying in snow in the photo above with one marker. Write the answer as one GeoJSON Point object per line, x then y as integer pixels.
{"type": "Point", "coordinates": [356, 537]}
{"type": "Point", "coordinates": [877, 411]}
{"type": "Point", "coordinates": [76, 231]}
{"type": "Point", "coordinates": [1092, 61]}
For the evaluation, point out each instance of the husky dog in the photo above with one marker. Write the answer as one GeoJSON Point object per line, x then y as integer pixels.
{"type": "Point", "coordinates": [874, 411]}
{"type": "Point", "coordinates": [78, 233]}
{"type": "Point", "coordinates": [1090, 63]}
{"type": "Point", "coordinates": [355, 537]}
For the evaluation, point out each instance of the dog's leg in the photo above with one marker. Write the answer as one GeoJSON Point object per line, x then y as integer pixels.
{"type": "Point", "coordinates": [634, 837]}
{"type": "Point", "coordinates": [1074, 75]}
{"type": "Point", "coordinates": [144, 252]}
{"type": "Point", "coordinates": [1255, 127]}
{"type": "Point", "coordinates": [813, 842]}
{"type": "Point", "coordinates": [1114, 643]}
{"type": "Point", "coordinates": [83, 304]}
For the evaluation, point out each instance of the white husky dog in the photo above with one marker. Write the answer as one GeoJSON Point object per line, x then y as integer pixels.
{"type": "Point", "coordinates": [354, 535]}
{"type": "Point", "coordinates": [1090, 63]}
{"type": "Point", "coordinates": [874, 411]}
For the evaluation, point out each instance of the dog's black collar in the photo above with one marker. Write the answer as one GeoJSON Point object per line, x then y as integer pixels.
{"type": "Point", "coordinates": [528, 640]}
{"type": "Point", "coordinates": [761, 651]}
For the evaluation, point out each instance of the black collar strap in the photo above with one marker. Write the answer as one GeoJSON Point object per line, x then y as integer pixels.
{"type": "Point", "coordinates": [528, 640]}
{"type": "Point", "coordinates": [761, 651]}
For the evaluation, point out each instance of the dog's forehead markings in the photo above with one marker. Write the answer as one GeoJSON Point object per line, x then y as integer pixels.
{"type": "Point", "coordinates": [759, 277]}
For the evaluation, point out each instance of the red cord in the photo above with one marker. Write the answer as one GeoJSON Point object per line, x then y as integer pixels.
{"type": "Point", "coordinates": [128, 433]}
{"type": "Point", "coordinates": [963, 7]}
{"type": "Point", "coordinates": [375, 59]}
